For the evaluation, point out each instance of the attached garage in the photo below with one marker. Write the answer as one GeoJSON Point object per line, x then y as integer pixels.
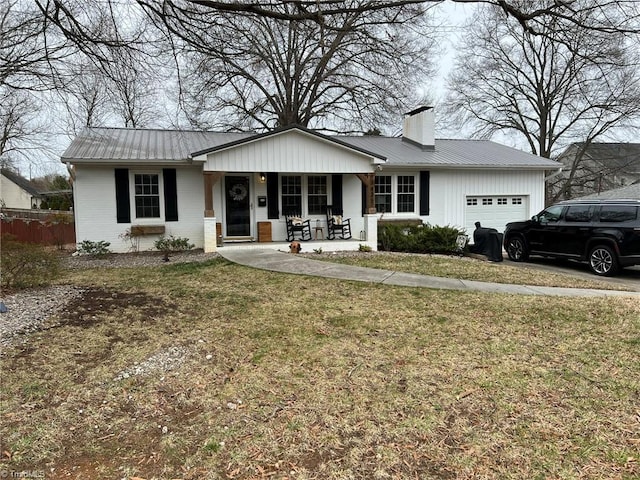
{"type": "Point", "coordinates": [495, 211]}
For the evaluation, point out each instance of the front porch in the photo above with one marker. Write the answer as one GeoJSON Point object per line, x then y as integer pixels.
{"type": "Point", "coordinates": [309, 246]}
{"type": "Point", "coordinates": [260, 181]}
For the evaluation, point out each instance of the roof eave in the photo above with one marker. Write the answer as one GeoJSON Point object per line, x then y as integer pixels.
{"type": "Point", "coordinates": [474, 167]}
{"type": "Point", "coordinates": [128, 161]}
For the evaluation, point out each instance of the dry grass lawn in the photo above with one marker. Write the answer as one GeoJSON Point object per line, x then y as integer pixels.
{"type": "Point", "coordinates": [269, 375]}
{"type": "Point", "coordinates": [466, 268]}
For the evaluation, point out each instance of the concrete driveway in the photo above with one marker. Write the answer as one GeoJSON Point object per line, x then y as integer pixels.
{"type": "Point", "coordinates": [629, 277]}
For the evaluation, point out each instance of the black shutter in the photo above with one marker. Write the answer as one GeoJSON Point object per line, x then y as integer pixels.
{"type": "Point", "coordinates": [272, 196]}
{"type": "Point", "coordinates": [364, 199]}
{"type": "Point", "coordinates": [336, 193]}
{"type": "Point", "coordinates": [170, 195]}
{"type": "Point", "coordinates": [123, 205]}
{"type": "Point", "coordinates": [424, 192]}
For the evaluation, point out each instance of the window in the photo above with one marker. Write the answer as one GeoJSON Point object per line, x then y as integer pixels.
{"type": "Point", "coordinates": [317, 194]}
{"type": "Point", "coordinates": [472, 202]}
{"type": "Point", "coordinates": [406, 193]}
{"type": "Point", "coordinates": [487, 201]}
{"type": "Point", "coordinates": [516, 201]}
{"type": "Point", "coordinates": [578, 213]}
{"type": "Point", "coordinates": [502, 201]}
{"type": "Point", "coordinates": [383, 194]}
{"type": "Point", "coordinates": [397, 194]}
{"type": "Point", "coordinates": [551, 214]}
{"type": "Point", "coordinates": [147, 195]}
{"type": "Point", "coordinates": [619, 213]}
{"type": "Point", "coordinates": [291, 194]}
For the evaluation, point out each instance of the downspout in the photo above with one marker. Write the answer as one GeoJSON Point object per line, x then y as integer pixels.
{"type": "Point", "coordinates": [553, 175]}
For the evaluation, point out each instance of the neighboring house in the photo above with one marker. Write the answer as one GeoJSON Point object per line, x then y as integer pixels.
{"type": "Point", "coordinates": [630, 192]}
{"type": "Point", "coordinates": [596, 168]}
{"type": "Point", "coordinates": [17, 192]}
{"type": "Point", "coordinates": [189, 184]}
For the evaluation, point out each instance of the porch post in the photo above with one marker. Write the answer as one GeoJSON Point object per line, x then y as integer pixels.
{"type": "Point", "coordinates": [371, 229]}
{"type": "Point", "coordinates": [210, 221]}
{"type": "Point", "coordinates": [368, 180]}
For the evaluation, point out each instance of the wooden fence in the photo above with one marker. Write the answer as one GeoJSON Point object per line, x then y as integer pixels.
{"type": "Point", "coordinates": [46, 228]}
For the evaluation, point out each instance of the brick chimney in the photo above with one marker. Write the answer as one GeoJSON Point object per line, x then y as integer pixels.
{"type": "Point", "coordinates": [418, 128]}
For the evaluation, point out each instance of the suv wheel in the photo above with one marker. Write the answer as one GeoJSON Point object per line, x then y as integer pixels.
{"type": "Point", "coordinates": [517, 250]}
{"type": "Point", "coordinates": [603, 260]}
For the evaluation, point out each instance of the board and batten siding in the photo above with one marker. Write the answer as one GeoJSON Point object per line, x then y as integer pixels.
{"type": "Point", "coordinates": [450, 188]}
{"type": "Point", "coordinates": [289, 152]}
{"type": "Point", "coordinates": [95, 207]}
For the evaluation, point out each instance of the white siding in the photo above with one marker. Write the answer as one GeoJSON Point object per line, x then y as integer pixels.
{"type": "Point", "coordinates": [95, 208]}
{"type": "Point", "coordinates": [450, 188]}
{"type": "Point", "coordinates": [292, 151]}
{"type": "Point", "coordinates": [12, 196]}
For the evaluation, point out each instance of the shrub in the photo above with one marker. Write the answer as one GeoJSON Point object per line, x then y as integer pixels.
{"type": "Point", "coordinates": [418, 239]}
{"type": "Point", "coordinates": [394, 238]}
{"type": "Point", "coordinates": [171, 244]}
{"type": "Point", "coordinates": [27, 264]}
{"type": "Point", "coordinates": [87, 247]}
{"type": "Point", "coordinates": [134, 240]}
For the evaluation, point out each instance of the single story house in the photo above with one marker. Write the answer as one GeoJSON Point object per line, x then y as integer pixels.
{"type": "Point", "coordinates": [203, 185]}
{"type": "Point", "coordinates": [596, 167]}
{"type": "Point", "coordinates": [629, 192]}
{"type": "Point", "coordinates": [17, 192]}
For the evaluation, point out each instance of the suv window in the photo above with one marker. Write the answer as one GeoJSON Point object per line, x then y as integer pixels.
{"type": "Point", "coordinates": [578, 213]}
{"type": "Point", "coordinates": [551, 214]}
{"type": "Point", "coordinates": [618, 213]}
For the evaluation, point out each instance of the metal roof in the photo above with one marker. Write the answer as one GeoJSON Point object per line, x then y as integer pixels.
{"type": "Point", "coordinates": [453, 154]}
{"type": "Point", "coordinates": [140, 145]}
{"type": "Point", "coordinates": [119, 145]}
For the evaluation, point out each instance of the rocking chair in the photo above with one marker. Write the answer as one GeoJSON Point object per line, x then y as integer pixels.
{"type": "Point", "coordinates": [337, 227]}
{"type": "Point", "coordinates": [297, 225]}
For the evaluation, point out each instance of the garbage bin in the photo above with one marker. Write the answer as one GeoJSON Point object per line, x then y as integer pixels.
{"type": "Point", "coordinates": [488, 242]}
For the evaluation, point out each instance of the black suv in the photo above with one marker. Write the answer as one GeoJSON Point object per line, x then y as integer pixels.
{"type": "Point", "coordinates": [604, 233]}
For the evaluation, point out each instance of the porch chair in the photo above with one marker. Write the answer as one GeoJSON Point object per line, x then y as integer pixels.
{"type": "Point", "coordinates": [337, 226]}
{"type": "Point", "coordinates": [297, 225]}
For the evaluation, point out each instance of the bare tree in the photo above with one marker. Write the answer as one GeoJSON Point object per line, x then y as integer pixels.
{"type": "Point", "coordinates": [84, 98]}
{"type": "Point", "coordinates": [551, 90]}
{"type": "Point", "coordinates": [280, 72]}
{"type": "Point", "coordinates": [20, 127]}
{"type": "Point", "coordinates": [196, 24]}
{"type": "Point", "coordinates": [607, 15]}
{"type": "Point", "coordinates": [133, 88]}
{"type": "Point", "coordinates": [27, 66]}
{"type": "Point", "coordinates": [28, 59]}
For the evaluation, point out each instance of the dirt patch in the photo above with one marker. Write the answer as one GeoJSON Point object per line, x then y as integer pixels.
{"type": "Point", "coordinates": [87, 310]}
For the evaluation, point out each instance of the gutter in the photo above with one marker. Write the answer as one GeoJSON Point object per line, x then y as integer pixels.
{"type": "Point", "coordinates": [553, 175]}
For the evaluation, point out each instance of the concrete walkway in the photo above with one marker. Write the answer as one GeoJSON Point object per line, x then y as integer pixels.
{"type": "Point", "coordinates": [295, 264]}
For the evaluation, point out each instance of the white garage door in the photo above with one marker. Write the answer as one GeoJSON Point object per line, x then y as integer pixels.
{"type": "Point", "coordinates": [495, 211]}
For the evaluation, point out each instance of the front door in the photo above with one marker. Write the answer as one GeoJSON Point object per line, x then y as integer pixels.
{"type": "Point", "coordinates": [238, 209]}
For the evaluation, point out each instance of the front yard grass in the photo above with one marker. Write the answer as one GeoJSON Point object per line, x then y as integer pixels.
{"type": "Point", "coordinates": [465, 268]}
{"type": "Point", "coordinates": [283, 376]}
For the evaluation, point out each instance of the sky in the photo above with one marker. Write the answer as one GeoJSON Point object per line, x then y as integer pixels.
{"type": "Point", "coordinates": [450, 15]}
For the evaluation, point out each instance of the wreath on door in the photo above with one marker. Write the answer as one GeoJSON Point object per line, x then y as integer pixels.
{"type": "Point", "coordinates": [238, 192]}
